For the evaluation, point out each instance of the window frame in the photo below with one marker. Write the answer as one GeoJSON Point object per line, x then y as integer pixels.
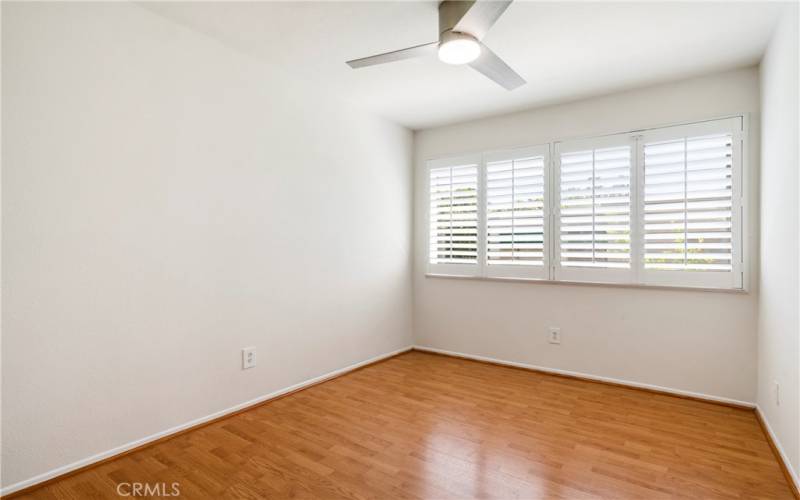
{"type": "Point", "coordinates": [451, 269]}
{"type": "Point", "coordinates": [733, 279]}
{"type": "Point", "coordinates": [515, 270]}
{"type": "Point", "coordinates": [592, 274]}
{"type": "Point", "coordinates": [737, 280]}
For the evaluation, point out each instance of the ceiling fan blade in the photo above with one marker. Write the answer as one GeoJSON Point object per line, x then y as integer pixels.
{"type": "Point", "coordinates": [481, 16]}
{"type": "Point", "coordinates": [496, 70]}
{"type": "Point", "coordinates": [417, 51]}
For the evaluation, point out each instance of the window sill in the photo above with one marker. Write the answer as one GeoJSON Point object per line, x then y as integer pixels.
{"type": "Point", "coordinates": [590, 283]}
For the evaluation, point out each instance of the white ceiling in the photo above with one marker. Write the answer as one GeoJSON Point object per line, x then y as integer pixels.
{"type": "Point", "coordinates": [565, 50]}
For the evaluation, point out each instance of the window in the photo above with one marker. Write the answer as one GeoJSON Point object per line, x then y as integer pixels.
{"type": "Point", "coordinates": [691, 222]}
{"type": "Point", "coordinates": [454, 215]}
{"type": "Point", "coordinates": [593, 210]}
{"type": "Point", "coordinates": [654, 207]}
{"type": "Point", "coordinates": [516, 213]}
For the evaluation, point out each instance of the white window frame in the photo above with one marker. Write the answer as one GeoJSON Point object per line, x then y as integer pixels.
{"type": "Point", "coordinates": [449, 269]}
{"type": "Point", "coordinates": [516, 271]}
{"type": "Point", "coordinates": [733, 279]}
{"type": "Point", "coordinates": [737, 280]}
{"type": "Point", "coordinates": [591, 274]}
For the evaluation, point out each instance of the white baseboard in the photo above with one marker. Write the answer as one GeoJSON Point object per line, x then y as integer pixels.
{"type": "Point", "coordinates": [781, 452]}
{"type": "Point", "coordinates": [153, 437]}
{"type": "Point", "coordinates": [556, 371]}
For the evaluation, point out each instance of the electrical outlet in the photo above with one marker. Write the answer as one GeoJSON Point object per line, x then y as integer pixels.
{"type": "Point", "coordinates": [554, 335]}
{"type": "Point", "coordinates": [777, 393]}
{"type": "Point", "coordinates": [248, 357]}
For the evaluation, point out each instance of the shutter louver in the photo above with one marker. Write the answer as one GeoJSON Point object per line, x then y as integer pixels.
{"type": "Point", "coordinates": [688, 203]}
{"type": "Point", "coordinates": [454, 215]}
{"type": "Point", "coordinates": [515, 212]}
{"type": "Point", "coordinates": [595, 202]}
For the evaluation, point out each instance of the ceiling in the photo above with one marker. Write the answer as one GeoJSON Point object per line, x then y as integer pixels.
{"type": "Point", "coordinates": [565, 50]}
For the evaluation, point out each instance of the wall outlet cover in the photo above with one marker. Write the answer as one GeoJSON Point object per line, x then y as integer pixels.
{"type": "Point", "coordinates": [248, 357]}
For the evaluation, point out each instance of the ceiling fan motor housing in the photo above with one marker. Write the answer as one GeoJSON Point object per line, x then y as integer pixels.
{"type": "Point", "coordinates": [450, 12]}
{"type": "Point", "coordinates": [450, 35]}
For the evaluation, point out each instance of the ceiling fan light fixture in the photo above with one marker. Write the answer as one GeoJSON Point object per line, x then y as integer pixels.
{"type": "Point", "coordinates": [459, 48]}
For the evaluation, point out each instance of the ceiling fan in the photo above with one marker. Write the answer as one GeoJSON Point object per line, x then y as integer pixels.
{"type": "Point", "coordinates": [462, 26]}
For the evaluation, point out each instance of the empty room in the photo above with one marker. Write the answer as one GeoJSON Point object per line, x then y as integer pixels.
{"type": "Point", "coordinates": [400, 250]}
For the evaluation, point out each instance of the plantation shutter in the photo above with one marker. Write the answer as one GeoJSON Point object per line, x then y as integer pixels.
{"type": "Point", "coordinates": [516, 213]}
{"type": "Point", "coordinates": [690, 204]}
{"type": "Point", "coordinates": [661, 206]}
{"type": "Point", "coordinates": [453, 216]}
{"type": "Point", "coordinates": [594, 209]}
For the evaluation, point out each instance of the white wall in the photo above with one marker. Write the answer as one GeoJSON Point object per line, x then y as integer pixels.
{"type": "Point", "coordinates": [696, 341]}
{"type": "Point", "coordinates": [779, 319]}
{"type": "Point", "coordinates": [166, 202]}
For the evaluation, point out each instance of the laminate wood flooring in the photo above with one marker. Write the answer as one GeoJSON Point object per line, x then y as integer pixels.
{"type": "Point", "coordinates": [421, 425]}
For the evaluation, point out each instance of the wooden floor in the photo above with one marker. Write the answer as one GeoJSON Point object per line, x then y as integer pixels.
{"type": "Point", "coordinates": [427, 426]}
